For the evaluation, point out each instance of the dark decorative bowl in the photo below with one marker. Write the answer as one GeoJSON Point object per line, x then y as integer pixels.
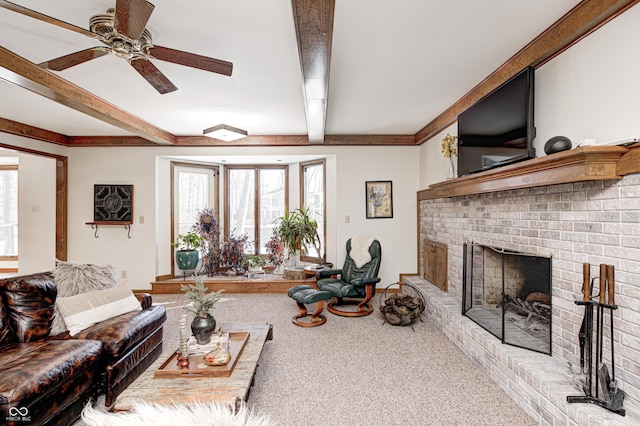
{"type": "Point", "coordinates": [557, 144]}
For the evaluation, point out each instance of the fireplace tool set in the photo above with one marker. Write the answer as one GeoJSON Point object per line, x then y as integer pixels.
{"type": "Point", "coordinates": [602, 391]}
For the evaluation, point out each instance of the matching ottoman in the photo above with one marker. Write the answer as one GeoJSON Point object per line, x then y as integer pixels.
{"type": "Point", "coordinates": [306, 295]}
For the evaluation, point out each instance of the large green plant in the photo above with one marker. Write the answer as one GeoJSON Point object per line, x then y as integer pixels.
{"type": "Point", "coordinates": [297, 230]}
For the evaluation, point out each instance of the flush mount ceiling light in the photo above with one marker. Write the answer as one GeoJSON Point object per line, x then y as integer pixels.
{"type": "Point", "coordinates": [225, 132]}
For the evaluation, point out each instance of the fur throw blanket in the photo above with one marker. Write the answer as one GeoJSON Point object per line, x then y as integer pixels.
{"type": "Point", "coordinates": [196, 414]}
{"type": "Point", "coordinates": [78, 278]}
{"type": "Point", "coordinates": [360, 249]}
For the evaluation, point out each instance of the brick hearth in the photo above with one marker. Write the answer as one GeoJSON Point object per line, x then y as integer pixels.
{"type": "Point", "coordinates": [538, 383]}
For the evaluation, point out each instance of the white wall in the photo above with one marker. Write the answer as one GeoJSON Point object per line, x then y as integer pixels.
{"type": "Point", "coordinates": [36, 213]}
{"type": "Point", "coordinates": [592, 90]}
{"type": "Point", "coordinates": [433, 166]}
{"type": "Point", "coordinates": [589, 91]}
{"type": "Point", "coordinates": [355, 166]}
{"type": "Point", "coordinates": [137, 255]}
{"type": "Point", "coordinates": [147, 254]}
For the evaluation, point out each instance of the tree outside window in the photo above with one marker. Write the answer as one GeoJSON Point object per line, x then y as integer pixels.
{"type": "Point", "coordinates": [312, 187]}
{"type": "Point", "coordinates": [255, 197]}
{"type": "Point", "coordinates": [8, 211]}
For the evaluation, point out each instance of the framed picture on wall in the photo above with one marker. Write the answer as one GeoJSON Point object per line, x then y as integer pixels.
{"type": "Point", "coordinates": [379, 199]}
{"type": "Point", "coordinates": [113, 203]}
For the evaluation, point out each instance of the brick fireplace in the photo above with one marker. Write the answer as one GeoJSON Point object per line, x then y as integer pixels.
{"type": "Point", "coordinates": [595, 221]}
{"type": "Point", "coordinates": [508, 293]}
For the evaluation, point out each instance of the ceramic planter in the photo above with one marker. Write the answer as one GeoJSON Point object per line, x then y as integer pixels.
{"type": "Point", "coordinates": [187, 259]}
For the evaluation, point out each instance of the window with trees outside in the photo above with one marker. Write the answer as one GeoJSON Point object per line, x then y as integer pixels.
{"type": "Point", "coordinates": [195, 187]}
{"type": "Point", "coordinates": [9, 211]}
{"type": "Point", "coordinates": [312, 194]}
{"type": "Point", "coordinates": [255, 197]}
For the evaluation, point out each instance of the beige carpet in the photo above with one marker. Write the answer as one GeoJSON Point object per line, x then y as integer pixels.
{"type": "Point", "coordinates": [357, 371]}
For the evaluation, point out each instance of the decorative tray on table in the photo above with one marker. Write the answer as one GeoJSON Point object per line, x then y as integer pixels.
{"type": "Point", "coordinates": [197, 367]}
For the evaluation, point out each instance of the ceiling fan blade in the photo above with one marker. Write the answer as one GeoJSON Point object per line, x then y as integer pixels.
{"type": "Point", "coordinates": [153, 76]}
{"type": "Point", "coordinates": [132, 16]}
{"type": "Point", "coordinates": [72, 59]}
{"type": "Point", "coordinates": [45, 18]}
{"type": "Point", "coordinates": [192, 60]}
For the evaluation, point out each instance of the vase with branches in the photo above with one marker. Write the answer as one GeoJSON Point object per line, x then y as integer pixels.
{"type": "Point", "coordinates": [449, 150]}
{"type": "Point", "coordinates": [201, 305]}
{"type": "Point", "coordinates": [207, 227]}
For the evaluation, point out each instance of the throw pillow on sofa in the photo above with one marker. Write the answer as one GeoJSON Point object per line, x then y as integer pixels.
{"type": "Point", "coordinates": [86, 309]}
{"type": "Point", "coordinates": [77, 278]}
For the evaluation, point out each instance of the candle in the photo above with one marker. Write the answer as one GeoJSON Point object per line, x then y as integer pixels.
{"type": "Point", "coordinates": [183, 336]}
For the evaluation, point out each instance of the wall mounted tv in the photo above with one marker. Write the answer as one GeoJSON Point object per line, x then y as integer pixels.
{"type": "Point", "coordinates": [498, 129]}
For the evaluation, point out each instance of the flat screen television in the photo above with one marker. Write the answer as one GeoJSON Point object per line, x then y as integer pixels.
{"type": "Point", "coordinates": [498, 129]}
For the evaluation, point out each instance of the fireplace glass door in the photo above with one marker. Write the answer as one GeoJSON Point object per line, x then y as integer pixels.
{"type": "Point", "coordinates": [508, 293]}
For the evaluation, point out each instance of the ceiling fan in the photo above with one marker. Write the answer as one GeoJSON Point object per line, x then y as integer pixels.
{"type": "Point", "coordinates": [122, 30]}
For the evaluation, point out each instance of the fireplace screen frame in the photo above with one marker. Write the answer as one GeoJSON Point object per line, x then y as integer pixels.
{"type": "Point", "coordinates": [493, 301]}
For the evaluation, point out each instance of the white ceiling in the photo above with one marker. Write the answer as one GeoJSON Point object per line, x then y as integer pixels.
{"type": "Point", "coordinates": [394, 65]}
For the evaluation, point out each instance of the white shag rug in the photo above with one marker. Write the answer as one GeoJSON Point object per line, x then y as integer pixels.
{"type": "Point", "coordinates": [197, 414]}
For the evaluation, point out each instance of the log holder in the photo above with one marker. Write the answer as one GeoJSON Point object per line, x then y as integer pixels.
{"type": "Point", "coordinates": [394, 314]}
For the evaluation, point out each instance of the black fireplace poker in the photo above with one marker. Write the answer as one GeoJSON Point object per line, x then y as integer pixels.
{"type": "Point", "coordinates": [606, 393]}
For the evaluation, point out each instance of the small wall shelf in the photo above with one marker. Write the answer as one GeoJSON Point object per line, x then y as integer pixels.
{"type": "Point", "coordinates": [126, 224]}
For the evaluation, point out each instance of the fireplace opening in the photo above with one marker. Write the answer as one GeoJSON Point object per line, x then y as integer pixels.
{"type": "Point", "coordinates": [508, 293]}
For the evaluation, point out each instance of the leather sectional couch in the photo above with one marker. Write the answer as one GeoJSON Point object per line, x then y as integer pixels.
{"type": "Point", "coordinates": [48, 379]}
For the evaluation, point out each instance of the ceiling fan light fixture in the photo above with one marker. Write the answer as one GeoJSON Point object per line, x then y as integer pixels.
{"type": "Point", "coordinates": [225, 132]}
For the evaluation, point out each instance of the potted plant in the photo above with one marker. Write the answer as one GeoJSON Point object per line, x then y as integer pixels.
{"type": "Point", "coordinates": [187, 254]}
{"type": "Point", "coordinates": [254, 262]}
{"type": "Point", "coordinates": [201, 305]}
{"type": "Point", "coordinates": [275, 252]}
{"type": "Point", "coordinates": [232, 253]}
{"type": "Point", "coordinates": [297, 231]}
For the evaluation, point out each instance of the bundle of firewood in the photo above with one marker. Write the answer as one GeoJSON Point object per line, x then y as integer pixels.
{"type": "Point", "coordinates": [529, 306]}
{"type": "Point", "coordinates": [400, 309]}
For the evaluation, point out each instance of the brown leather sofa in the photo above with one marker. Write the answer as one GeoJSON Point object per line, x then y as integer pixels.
{"type": "Point", "coordinates": [49, 379]}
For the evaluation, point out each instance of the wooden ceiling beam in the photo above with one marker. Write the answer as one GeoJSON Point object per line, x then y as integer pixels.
{"type": "Point", "coordinates": [31, 132]}
{"type": "Point", "coordinates": [582, 20]}
{"type": "Point", "coordinates": [253, 140]}
{"type": "Point", "coordinates": [23, 73]}
{"type": "Point", "coordinates": [389, 140]}
{"type": "Point", "coordinates": [89, 141]}
{"type": "Point", "coordinates": [314, 31]}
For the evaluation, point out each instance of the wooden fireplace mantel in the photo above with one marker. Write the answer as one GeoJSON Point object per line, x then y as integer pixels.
{"type": "Point", "coordinates": [577, 165]}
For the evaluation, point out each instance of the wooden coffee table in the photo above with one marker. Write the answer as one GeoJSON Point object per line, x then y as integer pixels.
{"type": "Point", "coordinates": [229, 390]}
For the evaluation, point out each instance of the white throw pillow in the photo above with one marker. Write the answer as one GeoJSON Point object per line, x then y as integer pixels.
{"type": "Point", "coordinates": [84, 310]}
{"type": "Point", "coordinates": [76, 278]}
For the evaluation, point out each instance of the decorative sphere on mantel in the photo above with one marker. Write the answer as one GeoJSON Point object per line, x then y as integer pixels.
{"type": "Point", "coordinates": [557, 144]}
